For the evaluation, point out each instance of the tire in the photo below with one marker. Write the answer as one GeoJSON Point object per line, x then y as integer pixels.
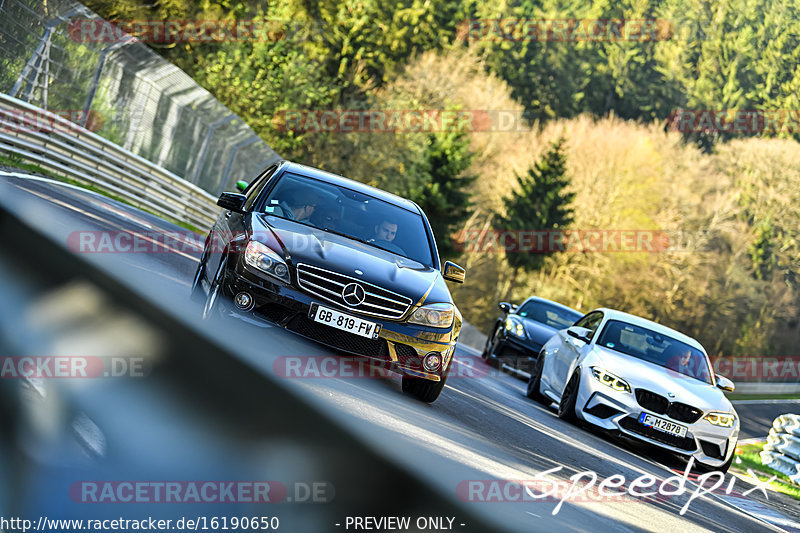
{"type": "Point", "coordinates": [425, 390]}
{"type": "Point", "coordinates": [535, 383]}
{"type": "Point", "coordinates": [488, 348]}
{"type": "Point", "coordinates": [212, 306]}
{"type": "Point", "coordinates": [566, 408]}
{"type": "Point", "coordinates": [197, 294]}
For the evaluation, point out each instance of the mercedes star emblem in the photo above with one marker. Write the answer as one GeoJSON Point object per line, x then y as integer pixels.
{"type": "Point", "coordinates": [353, 294]}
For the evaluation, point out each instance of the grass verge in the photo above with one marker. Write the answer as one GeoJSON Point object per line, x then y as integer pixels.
{"type": "Point", "coordinates": [747, 456]}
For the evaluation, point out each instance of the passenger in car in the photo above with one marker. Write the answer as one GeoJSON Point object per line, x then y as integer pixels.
{"type": "Point", "coordinates": [297, 205]}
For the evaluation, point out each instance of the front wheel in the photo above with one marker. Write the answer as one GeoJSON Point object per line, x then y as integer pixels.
{"type": "Point", "coordinates": [197, 289]}
{"type": "Point", "coordinates": [488, 350]}
{"type": "Point", "coordinates": [487, 347]}
{"type": "Point", "coordinates": [535, 383]}
{"type": "Point", "coordinates": [212, 298]}
{"type": "Point", "coordinates": [566, 408]}
{"type": "Point", "coordinates": [424, 389]}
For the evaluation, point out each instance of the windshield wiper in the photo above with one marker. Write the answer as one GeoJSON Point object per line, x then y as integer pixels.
{"type": "Point", "coordinates": [348, 236]}
{"type": "Point", "coordinates": [363, 241]}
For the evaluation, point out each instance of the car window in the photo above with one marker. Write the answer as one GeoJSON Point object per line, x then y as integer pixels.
{"type": "Point", "coordinates": [590, 322]}
{"type": "Point", "coordinates": [256, 186]}
{"type": "Point", "coordinates": [655, 348]}
{"type": "Point", "coordinates": [351, 214]}
{"type": "Point", "coordinates": [547, 314]}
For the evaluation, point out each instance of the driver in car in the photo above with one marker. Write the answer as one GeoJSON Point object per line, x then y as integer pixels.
{"type": "Point", "coordinates": [385, 231]}
{"type": "Point", "coordinates": [688, 364]}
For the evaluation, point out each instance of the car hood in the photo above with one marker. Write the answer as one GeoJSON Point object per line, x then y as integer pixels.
{"type": "Point", "coordinates": [643, 375]}
{"type": "Point", "coordinates": [305, 244]}
{"type": "Point", "coordinates": [536, 331]}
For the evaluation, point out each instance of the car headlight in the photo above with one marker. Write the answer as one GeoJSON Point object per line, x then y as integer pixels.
{"type": "Point", "coordinates": [606, 378]}
{"type": "Point", "coordinates": [724, 420]}
{"type": "Point", "coordinates": [515, 328]}
{"type": "Point", "coordinates": [435, 315]}
{"type": "Point", "coordinates": [262, 257]}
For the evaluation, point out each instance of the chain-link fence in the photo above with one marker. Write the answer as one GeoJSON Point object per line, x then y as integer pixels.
{"type": "Point", "coordinates": [125, 92]}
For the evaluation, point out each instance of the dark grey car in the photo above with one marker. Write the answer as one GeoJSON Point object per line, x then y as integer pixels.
{"type": "Point", "coordinates": [520, 332]}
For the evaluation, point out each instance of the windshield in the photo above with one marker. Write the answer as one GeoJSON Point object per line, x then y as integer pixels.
{"type": "Point", "coordinates": [655, 348]}
{"type": "Point", "coordinates": [352, 214]}
{"type": "Point", "coordinates": [548, 314]}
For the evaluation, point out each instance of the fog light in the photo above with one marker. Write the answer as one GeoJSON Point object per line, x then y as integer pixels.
{"type": "Point", "coordinates": [244, 301]}
{"type": "Point", "coordinates": [432, 362]}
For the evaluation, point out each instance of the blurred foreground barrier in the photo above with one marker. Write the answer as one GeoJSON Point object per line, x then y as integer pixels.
{"type": "Point", "coordinates": [782, 451]}
{"type": "Point", "coordinates": [50, 141]}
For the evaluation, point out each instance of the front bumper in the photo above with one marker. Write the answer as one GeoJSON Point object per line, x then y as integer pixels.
{"type": "Point", "coordinates": [399, 347]}
{"type": "Point", "coordinates": [619, 411]}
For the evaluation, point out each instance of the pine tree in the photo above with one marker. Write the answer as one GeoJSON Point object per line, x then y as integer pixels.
{"type": "Point", "coordinates": [445, 196]}
{"type": "Point", "coordinates": [540, 203]}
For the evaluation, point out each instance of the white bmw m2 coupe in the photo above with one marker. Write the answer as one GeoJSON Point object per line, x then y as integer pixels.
{"type": "Point", "coordinates": [651, 383]}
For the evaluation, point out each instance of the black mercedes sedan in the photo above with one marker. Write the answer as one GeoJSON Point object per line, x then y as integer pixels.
{"type": "Point", "coordinates": [345, 264]}
{"type": "Point", "coordinates": [519, 334]}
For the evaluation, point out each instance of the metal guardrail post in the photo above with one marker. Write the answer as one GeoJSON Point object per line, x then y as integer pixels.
{"type": "Point", "coordinates": [38, 54]}
{"type": "Point", "coordinates": [101, 61]}
{"type": "Point", "coordinates": [135, 124]}
{"type": "Point", "coordinates": [32, 63]}
{"type": "Point", "coordinates": [165, 147]}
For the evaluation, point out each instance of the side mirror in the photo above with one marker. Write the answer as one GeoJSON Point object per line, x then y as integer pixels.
{"type": "Point", "coordinates": [241, 185]}
{"type": "Point", "coordinates": [453, 272]}
{"type": "Point", "coordinates": [725, 384]}
{"type": "Point", "coordinates": [582, 334]}
{"type": "Point", "coordinates": [505, 307]}
{"type": "Point", "coordinates": [232, 201]}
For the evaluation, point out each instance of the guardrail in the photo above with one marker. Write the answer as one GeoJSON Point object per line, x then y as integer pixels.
{"type": "Point", "coordinates": [782, 450]}
{"type": "Point", "coordinates": [54, 143]}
